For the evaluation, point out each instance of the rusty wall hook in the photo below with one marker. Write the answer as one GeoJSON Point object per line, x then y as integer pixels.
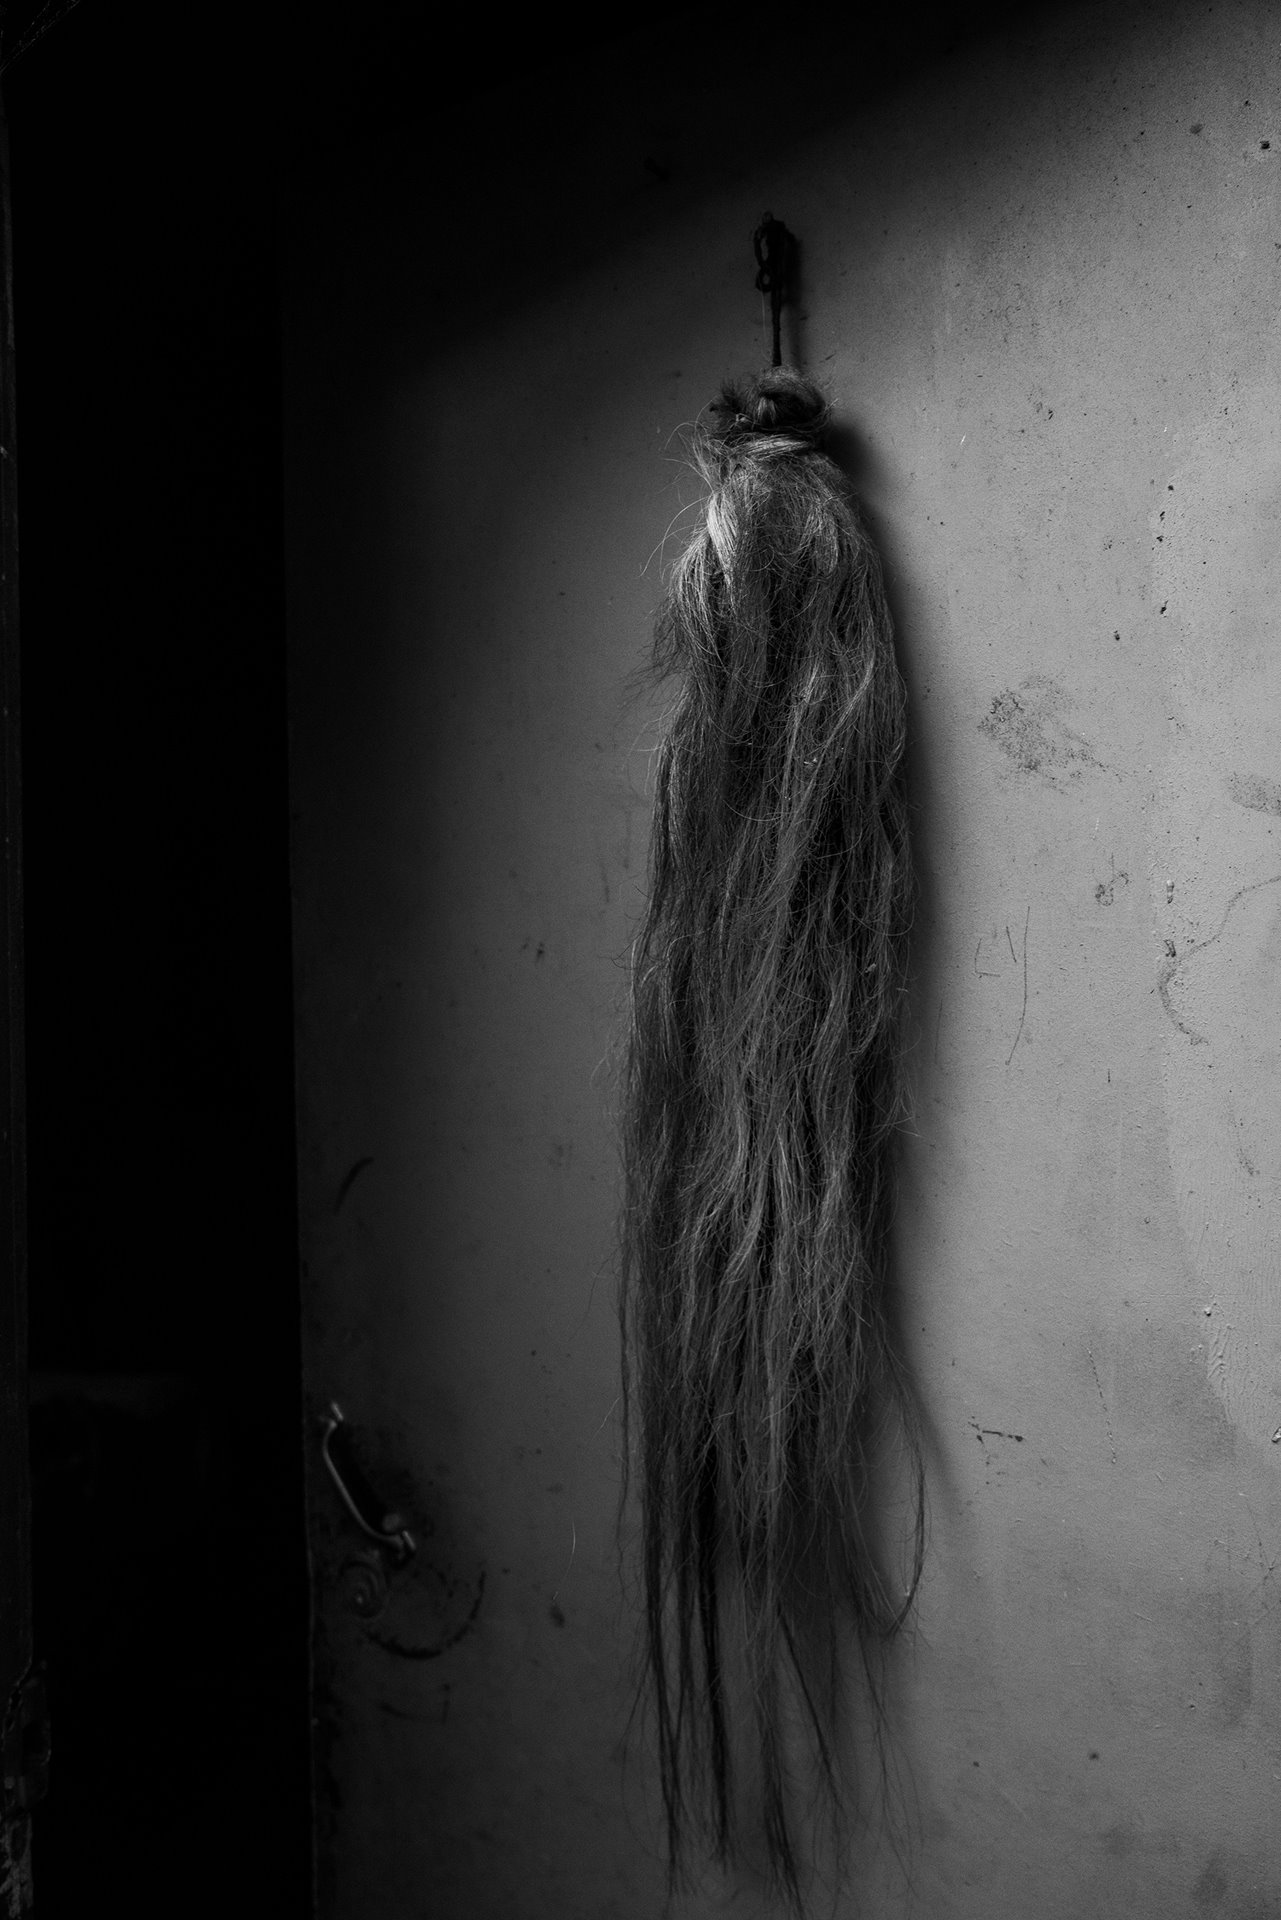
{"type": "Point", "coordinates": [775, 248]}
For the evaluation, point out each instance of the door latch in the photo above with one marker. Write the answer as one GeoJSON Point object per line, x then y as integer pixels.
{"type": "Point", "coordinates": [355, 1492]}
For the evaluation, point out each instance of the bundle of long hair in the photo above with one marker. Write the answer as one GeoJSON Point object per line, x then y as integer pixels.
{"type": "Point", "coordinates": [763, 1089]}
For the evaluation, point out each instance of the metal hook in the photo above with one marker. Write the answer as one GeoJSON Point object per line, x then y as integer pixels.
{"type": "Point", "coordinates": [773, 244]}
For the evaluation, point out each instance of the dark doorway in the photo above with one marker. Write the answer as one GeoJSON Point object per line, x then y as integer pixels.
{"type": "Point", "coordinates": [169, 1560]}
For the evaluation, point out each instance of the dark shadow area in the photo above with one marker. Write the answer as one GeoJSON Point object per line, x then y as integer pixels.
{"type": "Point", "coordinates": [170, 1591]}
{"type": "Point", "coordinates": [480, 149]}
{"type": "Point", "coordinates": [148, 141]}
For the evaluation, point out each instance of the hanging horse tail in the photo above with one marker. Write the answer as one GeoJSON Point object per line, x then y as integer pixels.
{"type": "Point", "coordinates": [763, 1090]}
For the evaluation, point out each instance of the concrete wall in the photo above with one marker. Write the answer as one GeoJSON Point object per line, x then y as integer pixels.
{"type": "Point", "coordinates": [1042, 282]}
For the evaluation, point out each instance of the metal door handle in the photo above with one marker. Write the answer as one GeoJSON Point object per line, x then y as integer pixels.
{"type": "Point", "coordinates": [355, 1492]}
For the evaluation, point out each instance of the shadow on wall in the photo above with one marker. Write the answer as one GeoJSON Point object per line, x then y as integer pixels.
{"type": "Point", "coordinates": [523, 214]}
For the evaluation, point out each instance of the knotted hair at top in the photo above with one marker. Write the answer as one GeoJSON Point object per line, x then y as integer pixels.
{"type": "Point", "coordinates": [763, 1087]}
{"type": "Point", "coordinates": [779, 404]}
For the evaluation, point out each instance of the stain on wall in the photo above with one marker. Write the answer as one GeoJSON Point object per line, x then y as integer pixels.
{"type": "Point", "coordinates": [1029, 727]}
{"type": "Point", "coordinates": [1252, 790]}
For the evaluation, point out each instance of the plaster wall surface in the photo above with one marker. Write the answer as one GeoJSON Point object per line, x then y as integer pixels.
{"type": "Point", "coordinates": [1042, 284]}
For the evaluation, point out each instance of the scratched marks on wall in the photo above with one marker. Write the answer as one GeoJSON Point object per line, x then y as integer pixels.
{"type": "Point", "coordinates": [991, 963]}
{"type": "Point", "coordinates": [999, 1446]}
{"type": "Point", "coordinates": [1175, 961]}
{"type": "Point", "coordinates": [1214, 866]}
{"type": "Point", "coordinates": [1107, 1417]}
{"type": "Point", "coordinates": [1105, 894]}
{"type": "Point", "coordinates": [1222, 1082]}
